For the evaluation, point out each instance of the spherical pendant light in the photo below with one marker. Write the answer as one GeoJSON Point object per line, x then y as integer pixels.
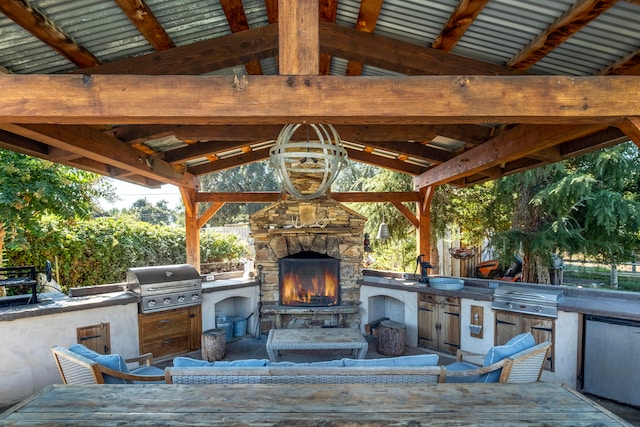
{"type": "Point", "coordinates": [306, 167]}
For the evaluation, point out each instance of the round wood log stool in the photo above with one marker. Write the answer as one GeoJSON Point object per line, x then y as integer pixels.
{"type": "Point", "coordinates": [392, 338]}
{"type": "Point", "coordinates": [213, 345]}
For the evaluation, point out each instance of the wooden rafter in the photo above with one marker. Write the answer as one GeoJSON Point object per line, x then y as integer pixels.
{"type": "Point", "coordinates": [145, 21]}
{"type": "Point", "coordinates": [578, 16]}
{"type": "Point", "coordinates": [25, 14]}
{"type": "Point", "coordinates": [237, 19]}
{"type": "Point", "coordinates": [366, 22]}
{"type": "Point", "coordinates": [200, 57]}
{"type": "Point", "coordinates": [93, 144]}
{"type": "Point", "coordinates": [459, 21]}
{"type": "Point", "coordinates": [385, 162]}
{"type": "Point", "coordinates": [328, 13]}
{"type": "Point", "coordinates": [231, 162]}
{"type": "Point", "coordinates": [516, 143]}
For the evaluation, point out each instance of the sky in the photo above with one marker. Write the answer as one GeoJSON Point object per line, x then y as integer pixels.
{"type": "Point", "coordinates": [129, 193]}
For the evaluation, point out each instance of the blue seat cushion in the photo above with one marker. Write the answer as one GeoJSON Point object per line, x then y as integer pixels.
{"type": "Point", "coordinates": [188, 362]}
{"type": "Point", "coordinates": [463, 366]}
{"type": "Point", "coordinates": [148, 370]}
{"type": "Point", "coordinates": [418, 360]}
{"type": "Point", "coordinates": [112, 361]}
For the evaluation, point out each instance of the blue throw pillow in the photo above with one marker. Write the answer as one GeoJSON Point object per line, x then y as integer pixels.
{"type": "Point", "coordinates": [418, 360]}
{"type": "Point", "coordinates": [112, 361]}
{"type": "Point", "coordinates": [499, 352]}
{"type": "Point", "coordinates": [187, 362]}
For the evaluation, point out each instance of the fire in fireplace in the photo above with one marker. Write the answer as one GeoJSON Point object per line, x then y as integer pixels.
{"type": "Point", "coordinates": [309, 279]}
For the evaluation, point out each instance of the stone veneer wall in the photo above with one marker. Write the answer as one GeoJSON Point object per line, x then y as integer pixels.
{"type": "Point", "coordinates": [275, 237]}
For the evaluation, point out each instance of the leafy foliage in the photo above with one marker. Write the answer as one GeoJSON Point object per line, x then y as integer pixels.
{"type": "Point", "coordinates": [31, 188]}
{"type": "Point", "coordinates": [101, 250]}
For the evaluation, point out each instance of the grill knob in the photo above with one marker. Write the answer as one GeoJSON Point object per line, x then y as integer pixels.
{"type": "Point", "coordinates": [181, 298]}
{"type": "Point", "coordinates": [167, 300]}
{"type": "Point", "coordinates": [195, 297]}
{"type": "Point", "coordinates": [152, 303]}
{"type": "Point", "coordinates": [509, 305]}
{"type": "Point", "coordinates": [537, 308]}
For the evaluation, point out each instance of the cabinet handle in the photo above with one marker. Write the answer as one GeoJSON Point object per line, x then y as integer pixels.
{"type": "Point", "coordinates": [167, 342]}
{"type": "Point", "coordinates": [165, 321]}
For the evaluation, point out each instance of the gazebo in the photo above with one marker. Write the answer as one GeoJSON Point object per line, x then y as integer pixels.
{"type": "Point", "coordinates": [156, 92]}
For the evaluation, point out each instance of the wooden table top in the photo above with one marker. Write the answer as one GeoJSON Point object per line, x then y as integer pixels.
{"type": "Point", "coordinates": [535, 404]}
{"type": "Point", "coordinates": [315, 337]}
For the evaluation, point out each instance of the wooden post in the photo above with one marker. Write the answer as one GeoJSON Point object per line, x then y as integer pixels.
{"type": "Point", "coordinates": [424, 221]}
{"type": "Point", "coordinates": [298, 37]}
{"type": "Point", "coordinates": [192, 231]}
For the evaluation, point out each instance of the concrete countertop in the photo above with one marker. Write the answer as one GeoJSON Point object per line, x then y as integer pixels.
{"type": "Point", "coordinates": [609, 303]}
{"type": "Point", "coordinates": [57, 302]}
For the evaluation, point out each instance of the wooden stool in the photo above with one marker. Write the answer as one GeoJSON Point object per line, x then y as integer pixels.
{"type": "Point", "coordinates": [392, 338]}
{"type": "Point", "coordinates": [213, 345]}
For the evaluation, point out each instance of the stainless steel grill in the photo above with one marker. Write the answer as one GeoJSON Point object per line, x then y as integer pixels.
{"type": "Point", "coordinates": [163, 287]}
{"type": "Point", "coordinates": [540, 302]}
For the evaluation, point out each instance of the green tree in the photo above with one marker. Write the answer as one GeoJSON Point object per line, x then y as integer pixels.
{"type": "Point", "coordinates": [257, 176]}
{"type": "Point", "coordinates": [586, 205]}
{"type": "Point", "coordinates": [31, 188]}
{"type": "Point", "coordinates": [160, 213]}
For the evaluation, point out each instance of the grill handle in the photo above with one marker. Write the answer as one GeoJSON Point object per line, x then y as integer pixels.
{"type": "Point", "coordinates": [171, 286]}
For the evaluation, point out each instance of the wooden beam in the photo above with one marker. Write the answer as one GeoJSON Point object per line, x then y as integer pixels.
{"type": "Point", "coordinates": [145, 21]}
{"type": "Point", "coordinates": [25, 14]}
{"type": "Point", "coordinates": [407, 213]}
{"type": "Point", "coordinates": [230, 162]}
{"type": "Point", "coordinates": [282, 99]}
{"type": "Point", "coordinates": [576, 18]}
{"type": "Point", "coordinates": [423, 213]}
{"type": "Point", "coordinates": [398, 56]}
{"type": "Point", "coordinates": [631, 127]}
{"type": "Point", "coordinates": [384, 162]}
{"type": "Point", "coordinates": [460, 20]}
{"type": "Point", "coordinates": [328, 13]}
{"type": "Point", "coordinates": [366, 22]}
{"type": "Point", "coordinates": [629, 65]}
{"type": "Point", "coordinates": [209, 213]}
{"type": "Point", "coordinates": [200, 57]}
{"type": "Point", "coordinates": [298, 37]}
{"type": "Point", "coordinates": [274, 196]}
{"type": "Point", "coordinates": [509, 146]}
{"type": "Point", "coordinates": [237, 19]}
{"type": "Point", "coordinates": [93, 144]}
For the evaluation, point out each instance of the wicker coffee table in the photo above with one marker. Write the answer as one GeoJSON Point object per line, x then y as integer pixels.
{"type": "Point", "coordinates": [315, 341]}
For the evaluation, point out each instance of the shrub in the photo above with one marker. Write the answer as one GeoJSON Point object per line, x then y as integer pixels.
{"type": "Point", "coordinates": [101, 250]}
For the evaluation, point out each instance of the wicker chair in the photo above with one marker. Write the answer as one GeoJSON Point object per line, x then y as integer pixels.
{"type": "Point", "coordinates": [77, 369]}
{"type": "Point", "coordinates": [306, 375]}
{"type": "Point", "coordinates": [522, 367]}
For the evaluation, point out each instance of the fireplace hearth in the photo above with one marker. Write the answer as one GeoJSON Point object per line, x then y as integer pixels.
{"type": "Point", "coordinates": [308, 279]}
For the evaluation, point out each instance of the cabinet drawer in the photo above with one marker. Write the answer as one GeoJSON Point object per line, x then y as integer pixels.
{"type": "Point", "coordinates": [438, 299]}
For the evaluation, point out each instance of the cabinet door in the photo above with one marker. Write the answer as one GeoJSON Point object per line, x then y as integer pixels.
{"type": "Point", "coordinates": [449, 336]}
{"type": "Point", "coordinates": [164, 333]}
{"type": "Point", "coordinates": [427, 321]}
{"type": "Point", "coordinates": [195, 327]}
{"type": "Point", "coordinates": [508, 325]}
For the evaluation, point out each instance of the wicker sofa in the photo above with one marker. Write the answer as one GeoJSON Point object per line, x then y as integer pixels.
{"type": "Point", "coordinates": [514, 365]}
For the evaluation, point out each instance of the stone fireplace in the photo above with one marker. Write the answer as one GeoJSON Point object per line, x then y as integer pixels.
{"type": "Point", "coordinates": [321, 242]}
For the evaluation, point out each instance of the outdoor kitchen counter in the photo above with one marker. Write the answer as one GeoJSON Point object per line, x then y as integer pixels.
{"type": "Point", "coordinates": [611, 303]}
{"type": "Point", "coordinates": [57, 302]}
{"type": "Point", "coordinates": [469, 291]}
{"type": "Point", "coordinates": [226, 284]}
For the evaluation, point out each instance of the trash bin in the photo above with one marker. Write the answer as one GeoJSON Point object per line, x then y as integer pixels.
{"type": "Point", "coordinates": [225, 323]}
{"type": "Point", "coordinates": [239, 326]}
